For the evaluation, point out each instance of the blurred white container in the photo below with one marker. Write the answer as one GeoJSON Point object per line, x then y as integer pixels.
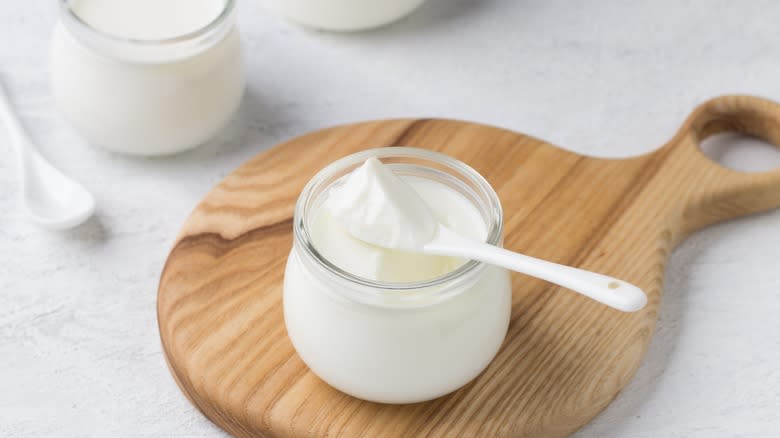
{"type": "Point", "coordinates": [150, 77]}
{"type": "Point", "coordinates": [346, 15]}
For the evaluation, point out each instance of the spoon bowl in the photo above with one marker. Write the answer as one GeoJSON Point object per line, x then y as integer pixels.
{"type": "Point", "coordinates": [52, 199]}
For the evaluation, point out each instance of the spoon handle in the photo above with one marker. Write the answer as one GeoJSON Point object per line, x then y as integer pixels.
{"type": "Point", "coordinates": [602, 288]}
{"type": "Point", "coordinates": [12, 122]}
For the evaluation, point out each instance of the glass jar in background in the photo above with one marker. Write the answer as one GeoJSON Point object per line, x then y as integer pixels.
{"type": "Point", "coordinates": [346, 15]}
{"type": "Point", "coordinates": [141, 96]}
{"type": "Point", "coordinates": [396, 342]}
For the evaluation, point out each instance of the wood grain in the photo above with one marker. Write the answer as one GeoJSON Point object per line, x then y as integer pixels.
{"type": "Point", "coordinates": [565, 357]}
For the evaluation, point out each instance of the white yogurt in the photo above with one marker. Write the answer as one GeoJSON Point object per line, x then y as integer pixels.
{"type": "Point", "coordinates": [147, 77]}
{"type": "Point", "coordinates": [147, 19]}
{"type": "Point", "coordinates": [377, 206]}
{"type": "Point", "coordinates": [337, 244]}
{"type": "Point", "coordinates": [346, 15]}
{"type": "Point", "coordinates": [394, 326]}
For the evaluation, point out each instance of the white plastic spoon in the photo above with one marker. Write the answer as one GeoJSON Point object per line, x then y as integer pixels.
{"type": "Point", "coordinates": [51, 199]}
{"type": "Point", "coordinates": [376, 206]}
{"type": "Point", "coordinates": [602, 288]}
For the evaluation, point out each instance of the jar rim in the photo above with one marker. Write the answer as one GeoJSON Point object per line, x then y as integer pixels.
{"type": "Point", "coordinates": [174, 47]}
{"type": "Point", "coordinates": [302, 237]}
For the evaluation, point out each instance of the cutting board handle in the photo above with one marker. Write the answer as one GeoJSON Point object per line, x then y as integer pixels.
{"type": "Point", "coordinates": [716, 192]}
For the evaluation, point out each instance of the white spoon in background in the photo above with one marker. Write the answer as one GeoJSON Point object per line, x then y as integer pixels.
{"type": "Point", "coordinates": [51, 199]}
{"type": "Point", "coordinates": [376, 206]}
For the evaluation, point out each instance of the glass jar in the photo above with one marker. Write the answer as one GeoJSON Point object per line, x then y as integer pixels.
{"type": "Point", "coordinates": [146, 97]}
{"type": "Point", "coordinates": [346, 15]}
{"type": "Point", "coordinates": [396, 342]}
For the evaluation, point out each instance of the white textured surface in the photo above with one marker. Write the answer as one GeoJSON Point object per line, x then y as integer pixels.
{"type": "Point", "coordinates": [79, 349]}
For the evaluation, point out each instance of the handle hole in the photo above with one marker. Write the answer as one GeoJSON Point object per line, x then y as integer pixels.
{"type": "Point", "coordinates": [741, 152]}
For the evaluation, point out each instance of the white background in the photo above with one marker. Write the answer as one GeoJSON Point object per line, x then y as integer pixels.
{"type": "Point", "coordinates": [79, 348]}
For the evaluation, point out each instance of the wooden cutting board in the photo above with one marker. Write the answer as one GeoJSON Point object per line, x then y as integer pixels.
{"type": "Point", "coordinates": [565, 357]}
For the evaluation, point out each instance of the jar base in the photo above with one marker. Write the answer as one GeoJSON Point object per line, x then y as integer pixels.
{"type": "Point", "coordinates": [339, 25]}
